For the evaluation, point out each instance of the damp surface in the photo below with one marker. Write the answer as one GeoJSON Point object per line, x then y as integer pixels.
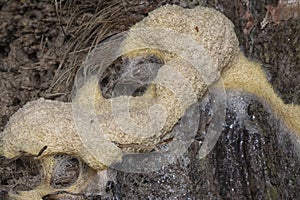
{"type": "Point", "coordinates": [43, 44]}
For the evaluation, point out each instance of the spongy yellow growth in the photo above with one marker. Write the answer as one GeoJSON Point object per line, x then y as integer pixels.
{"type": "Point", "coordinates": [248, 76]}
{"type": "Point", "coordinates": [216, 35]}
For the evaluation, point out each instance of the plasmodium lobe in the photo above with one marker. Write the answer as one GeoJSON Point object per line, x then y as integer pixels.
{"type": "Point", "coordinates": [248, 76]}
{"type": "Point", "coordinates": [215, 33]}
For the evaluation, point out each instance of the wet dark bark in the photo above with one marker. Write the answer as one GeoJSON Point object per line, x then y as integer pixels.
{"type": "Point", "coordinates": [254, 159]}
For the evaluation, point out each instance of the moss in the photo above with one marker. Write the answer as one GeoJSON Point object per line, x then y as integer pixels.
{"type": "Point", "coordinates": [272, 192]}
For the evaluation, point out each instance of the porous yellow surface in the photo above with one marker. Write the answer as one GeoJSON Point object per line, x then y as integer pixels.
{"type": "Point", "coordinates": [207, 27]}
{"type": "Point", "coordinates": [50, 123]}
{"type": "Point", "coordinates": [44, 123]}
{"type": "Point", "coordinates": [248, 76]}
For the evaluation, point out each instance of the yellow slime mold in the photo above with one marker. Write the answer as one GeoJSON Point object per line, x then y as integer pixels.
{"type": "Point", "coordinates": [200, 33]}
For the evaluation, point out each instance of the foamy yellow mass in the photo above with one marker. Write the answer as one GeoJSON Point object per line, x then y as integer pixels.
{"type": "Point", "coordinates": [215, 33]}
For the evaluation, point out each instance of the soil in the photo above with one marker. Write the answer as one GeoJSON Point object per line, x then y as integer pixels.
{"type": "Point", "coordinates": [42, 44]}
